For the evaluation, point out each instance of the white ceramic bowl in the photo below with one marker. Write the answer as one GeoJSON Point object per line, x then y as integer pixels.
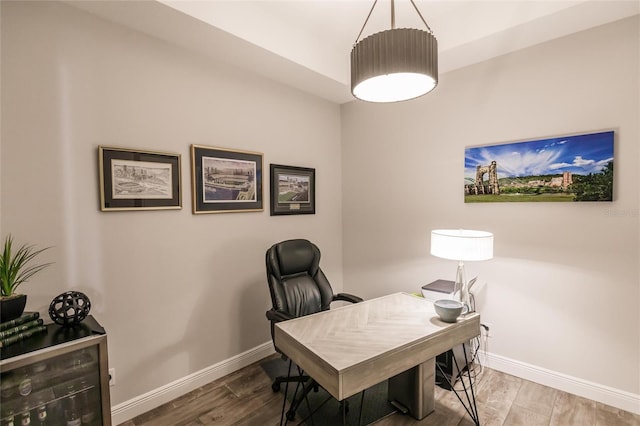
{"type": "Point", "coordinates": [448, 310]}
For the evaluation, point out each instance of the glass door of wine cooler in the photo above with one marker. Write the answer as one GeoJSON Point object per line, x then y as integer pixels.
{"type": "Point", "coordinates": [62, 385]}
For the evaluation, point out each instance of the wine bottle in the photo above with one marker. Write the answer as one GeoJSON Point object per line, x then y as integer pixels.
{"type": "Point", "coordinates": [8, 418]}
{"type": "Point", "coordinates": [55, 413]}
{"type": "Point", "coordinates": [24, 387]}
{"type": "Point", "coordinates": [87, 409]}
{"type": "Point", "coordinates": [41, 414]}
{"type": "Point", "coordinates": [25, 416]}
{"type": "Point", "coordinates": [71, 413]}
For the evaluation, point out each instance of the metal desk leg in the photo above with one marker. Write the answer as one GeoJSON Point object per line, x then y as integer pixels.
{"type": "Point", "coordinates": [344, 407]}
{"type": "Point", "coordinates": [470, 405]}
{"type": "Point", "coordinates": [296, 401]}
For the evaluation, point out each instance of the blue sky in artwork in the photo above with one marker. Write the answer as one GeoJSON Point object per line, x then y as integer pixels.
{"type": "Point", "coordinates": [581, 154]}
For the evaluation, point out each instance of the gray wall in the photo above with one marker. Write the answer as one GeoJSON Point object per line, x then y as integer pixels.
{"type": "Point", "coordinates": [179, 292]}
{"type": "Point", "coordinates": [562, 292]}
{"type": "Point", "coordinates": [176, 292]}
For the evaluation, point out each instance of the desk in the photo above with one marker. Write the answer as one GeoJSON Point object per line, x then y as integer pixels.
{"type": "Point", "coordinates": [351, 348]}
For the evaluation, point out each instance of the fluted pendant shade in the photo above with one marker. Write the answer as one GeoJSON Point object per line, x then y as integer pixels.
{"type": "Point", "coordinates": [394, 65]}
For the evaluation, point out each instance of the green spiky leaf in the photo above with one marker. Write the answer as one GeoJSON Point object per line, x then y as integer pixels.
{"type": "Point", "coordinates": [14, 266]}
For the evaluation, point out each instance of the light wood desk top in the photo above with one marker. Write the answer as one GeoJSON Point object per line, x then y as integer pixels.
{"type": "Point", "coordinates": [353, 347]}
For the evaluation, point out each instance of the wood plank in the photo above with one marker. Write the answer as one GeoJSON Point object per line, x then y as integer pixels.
{"type": "Point", "coordinates": [607, 415]}
{"type": "Point", "coordinates": [573, 410]}
{"type": "Point", "coordinates": [174, 413]}
{"type": "Point", "coordinates": [496, 391]}
{"type": "Point", "coordinates": [536, 397]}
{"type": "Point", "coordinates": [496, 394]}
{"type": "Point", "coordinates": [521, 416]}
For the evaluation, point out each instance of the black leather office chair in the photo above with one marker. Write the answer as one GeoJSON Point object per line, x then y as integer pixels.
{"type": "Point", "coordinates": [298, 287]}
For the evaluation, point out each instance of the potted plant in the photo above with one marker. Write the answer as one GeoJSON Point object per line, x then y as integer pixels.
{"type": "Point", "coordinates": [15, 269]}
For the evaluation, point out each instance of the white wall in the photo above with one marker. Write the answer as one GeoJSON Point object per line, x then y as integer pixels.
{"type": "Point", "coordinates": [176, 292]}
{"type": "Point", "coordinates": [562, 293]}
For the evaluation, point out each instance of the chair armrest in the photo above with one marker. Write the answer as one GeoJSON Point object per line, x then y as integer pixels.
{"type": "Point", "coordinates": [347, 297]}
{"type": "Point", "coordinates": [278, 316]}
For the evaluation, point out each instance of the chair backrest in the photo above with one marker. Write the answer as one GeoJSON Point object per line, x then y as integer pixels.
{"type": "Point", "coordinates": [297, 285]}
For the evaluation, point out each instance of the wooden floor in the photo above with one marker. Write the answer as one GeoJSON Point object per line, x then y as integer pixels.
{"type": "Point", "coordinates": [245, 398]}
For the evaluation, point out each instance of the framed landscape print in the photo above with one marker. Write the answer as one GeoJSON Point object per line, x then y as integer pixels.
{"type": "Point", "coordinates": [225, 180]}
{"type": "Point", "coordinates": [138, 180]}
{"type": "Point", "coordinates": [563, 168]}
{"type": "Point", "coordinates": [293, 190]}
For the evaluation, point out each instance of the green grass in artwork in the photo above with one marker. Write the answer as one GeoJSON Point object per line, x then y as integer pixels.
{"type": "Point", "coordinates": [286, 196]}
{"type": "Point", "coordinates": [518, 198]}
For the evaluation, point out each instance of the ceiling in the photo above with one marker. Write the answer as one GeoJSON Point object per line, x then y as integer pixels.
{"type": "Point", "coordinates": [306, 43]}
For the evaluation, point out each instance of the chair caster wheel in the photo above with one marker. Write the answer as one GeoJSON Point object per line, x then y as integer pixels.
{"type": "Point", "coordinates": [275, 387]}
{"type": "Point", "coordinates": [291, 415]}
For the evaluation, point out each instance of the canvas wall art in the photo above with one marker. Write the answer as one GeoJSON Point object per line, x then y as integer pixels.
{"type": "Point", "coordinates": [564, 168]}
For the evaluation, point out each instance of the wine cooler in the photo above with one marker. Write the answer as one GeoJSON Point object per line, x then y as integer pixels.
{"type": "Point", "coordinates": [57, 378]}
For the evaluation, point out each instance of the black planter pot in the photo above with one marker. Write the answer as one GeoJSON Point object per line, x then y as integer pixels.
{"type": "Point", "coordinates": [12, 307]}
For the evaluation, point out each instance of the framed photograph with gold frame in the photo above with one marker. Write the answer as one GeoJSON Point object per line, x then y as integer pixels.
{"type": "Point", "coordinates": [293, 190]}
{"type": "Point", "coordinates": [138, 180]}
{"type": "Point", "coordinates": [225, 180]}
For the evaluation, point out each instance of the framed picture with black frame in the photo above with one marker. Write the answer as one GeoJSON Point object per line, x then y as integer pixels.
{"type": "Point", "coordinates": [293, 190]}
{"type": "Point", "coordinates": [225, 180]}
{"type": "Point", "coordinates": [133, 179]}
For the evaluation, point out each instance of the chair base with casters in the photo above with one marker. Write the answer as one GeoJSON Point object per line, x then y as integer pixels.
{"type": "Point", "coordinates": [297, 400]}
{"type": "Point", "coordinates": [275, 386]}
{"type": "Point", "coordinates": [343, 408]}
{"type": "Point", "coordinates": [298, 287]}
{"type": "Point", "coordinates": [275, 317]}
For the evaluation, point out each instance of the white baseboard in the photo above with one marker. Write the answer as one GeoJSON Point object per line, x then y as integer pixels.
{"type": "Point", "coordinates": [594, 391]}
{"type": "Point", "coordinates": [141, 404]}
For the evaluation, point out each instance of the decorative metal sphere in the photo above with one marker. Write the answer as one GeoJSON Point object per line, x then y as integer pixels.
{"type": "Point", "coordinates": [69, 308]}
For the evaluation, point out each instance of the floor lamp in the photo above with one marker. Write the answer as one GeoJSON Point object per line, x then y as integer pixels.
{"type": "Point", "coordinates": [462, 245]}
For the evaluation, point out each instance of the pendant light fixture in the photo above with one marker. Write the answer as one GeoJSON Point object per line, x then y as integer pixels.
{"type": "Point", "coordinates": [394, 65]}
